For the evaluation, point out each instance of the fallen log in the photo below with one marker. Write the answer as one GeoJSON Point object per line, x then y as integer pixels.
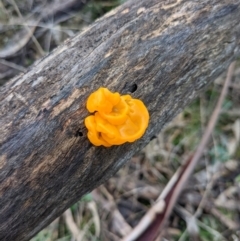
{"type": "Point", "coordinates": [164, 53]}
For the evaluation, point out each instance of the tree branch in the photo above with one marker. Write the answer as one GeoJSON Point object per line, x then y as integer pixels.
{"type": "Point", "coordinates": [169, 50]}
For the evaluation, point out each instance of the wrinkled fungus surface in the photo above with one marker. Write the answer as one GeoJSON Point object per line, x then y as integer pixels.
{"type": "Point", "coordinates": [116, 119]}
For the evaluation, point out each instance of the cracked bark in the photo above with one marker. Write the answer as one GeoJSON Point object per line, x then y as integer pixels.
{"type": "Point", "coordinates": [169, 50]}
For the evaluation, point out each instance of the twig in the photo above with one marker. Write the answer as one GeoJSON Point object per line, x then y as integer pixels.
{"type": "Point", "coordinates": [77, 234]}
{"type": "Point", "coordinates": [13, 65]}
{"type": "Point", "coordinates": [230, 224]}
{"type": "Point", "coordinates": [96, 220]}
{"type": "Point", "coordinates": [118, 222]}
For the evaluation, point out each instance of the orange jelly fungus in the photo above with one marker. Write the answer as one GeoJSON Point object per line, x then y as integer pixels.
{"type": "Point", "coordinates": [116, 119]}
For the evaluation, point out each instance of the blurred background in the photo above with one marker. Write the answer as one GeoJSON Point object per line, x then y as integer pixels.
{"type": "Point", "coordinates": [209, 206]}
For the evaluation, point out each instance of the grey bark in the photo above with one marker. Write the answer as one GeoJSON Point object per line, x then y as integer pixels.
{"type": "Point", "coordinates": [169, 50]}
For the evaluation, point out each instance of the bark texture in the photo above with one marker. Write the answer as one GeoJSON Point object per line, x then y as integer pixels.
{"type": "Point", "coordinates": [168, 50]}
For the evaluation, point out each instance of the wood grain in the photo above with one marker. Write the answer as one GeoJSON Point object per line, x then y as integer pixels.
{"type": "Point", "coordinates": [169, 50]}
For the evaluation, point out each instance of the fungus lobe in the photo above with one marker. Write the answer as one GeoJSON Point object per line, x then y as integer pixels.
{"type": "Point", "coordinates": [116, 119]}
